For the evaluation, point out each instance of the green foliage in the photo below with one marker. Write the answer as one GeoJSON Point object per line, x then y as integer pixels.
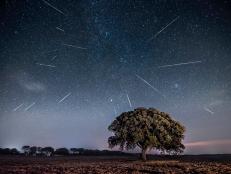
{"type": "Point", "coordinates": [147, 129]}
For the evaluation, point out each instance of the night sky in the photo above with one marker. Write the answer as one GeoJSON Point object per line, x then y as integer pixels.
{"type": "Point", "coordinates": [68, 68]}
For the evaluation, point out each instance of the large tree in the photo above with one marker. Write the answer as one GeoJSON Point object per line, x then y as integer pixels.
{"type": "Point", "coordinates": [147, 129]}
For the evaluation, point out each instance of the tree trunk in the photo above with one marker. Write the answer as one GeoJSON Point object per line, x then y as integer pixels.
{"type": "Point", "coordinates": [143, 156]}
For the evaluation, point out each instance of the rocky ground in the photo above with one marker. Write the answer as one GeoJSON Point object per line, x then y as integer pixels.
{"type": "Point", "coordinates": [114, 165]}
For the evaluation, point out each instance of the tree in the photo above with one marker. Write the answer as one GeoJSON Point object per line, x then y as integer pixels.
{"type": "Point", "coordinates": [48, 151]}
{"type": "Point", "coordinates": [81, 151]}
{"type": "Point", "coordinates": [74, 151]}
{"type": "Point", "coordinates": [39, 150]}
{"type": "Point", "coordinates": [5, 151]}
{"type": "Point", "coordinates": [26, 149]}
{"type": "Point", "coordinates": [147, 129]}
{"type": "Point", "coordinates": [8, 151]}
{"type": "Point", "coordinates": [62, 151]}
{"type": "Point", "coordinates": [14, 151]}
{"type": "Point", "coordinates": [33, 150]}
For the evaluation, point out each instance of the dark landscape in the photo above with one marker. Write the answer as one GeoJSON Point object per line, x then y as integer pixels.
{"type": "Point", "coordinates": [192, 164]}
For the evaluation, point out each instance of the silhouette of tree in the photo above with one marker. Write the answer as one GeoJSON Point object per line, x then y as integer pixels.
{"type": "Point", "coordinates": [62, 151]}
{"type": "Point", "coordinates": [8, 151]}
{"type": "Point", "coordinates": [48, 151]}
{"type": "Point", "coordinates": [39, 150]}
{"type": "Point", "coordinates": [147, 129]}
{"type": "Point", "coordinates": [26, 149]}
{"type": "Point", "coordinates": [14, 151]}
{"type": "Point", "coordinates": [74, 151]}
{"type": "Point", "coordinates": [81, 151]}
{"type": "Point", "coordinates": [5, 151]}
{"type": "Point", "coordinates": [33, 150]}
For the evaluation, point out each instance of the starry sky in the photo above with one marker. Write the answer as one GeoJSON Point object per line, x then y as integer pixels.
{"type": "Point", "coordinates": [68, 68]}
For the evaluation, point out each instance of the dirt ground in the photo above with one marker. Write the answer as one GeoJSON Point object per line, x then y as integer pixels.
{"type": "Point", "coordinates": [115, 165]}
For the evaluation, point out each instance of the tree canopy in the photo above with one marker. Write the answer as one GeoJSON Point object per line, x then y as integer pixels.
{"type": "Point", "coordinates": [62, 151]}
{"type": "Point", "coordinates": [26, 149]}
{"type": "Point", "coordinates": [147, 129]}
{"type": "Point", "coordinates": [48, 151]}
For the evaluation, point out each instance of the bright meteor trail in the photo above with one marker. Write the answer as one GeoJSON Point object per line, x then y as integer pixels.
{"type": "Point", "coordinates": [19, 106]}
{"type": "Point", "coordinates": [129, 101]}
{"type": "Point", "coordinates": [30, 106]}
{"type": "Point", "coordinates": [41, 64]}
{"type": "Point", "coordinates": [180, 64]}
{"type": "Point", "coordinates": [74, 46]}
{"type": "Point", "coordinates": [64, 98]}
{"type": "Point", "coordinates": [60, 29]}
{"type": "Point", "coordinates": [47, 3]}
{"type": "Point", "coordinates": [163, 28]}
{"type": "Point", "coordinates": [155, 89]}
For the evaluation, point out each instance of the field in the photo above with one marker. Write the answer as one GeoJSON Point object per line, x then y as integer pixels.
{"type": "Point", "coordinates": [115, 165]}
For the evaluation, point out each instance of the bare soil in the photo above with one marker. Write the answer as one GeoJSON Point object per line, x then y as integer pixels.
{"type": "Point", "coordinates": [206, 164]}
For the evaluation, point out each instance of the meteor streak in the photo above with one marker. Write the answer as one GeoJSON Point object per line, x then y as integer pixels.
{"type": "Point", "coordinates": [64, 98]}
{"type": "Point", "coordinates": [208, 110]}
{"type": "Point", "coordinates": [163, 28]}
{"type": "Point", "coordinates": [180, 64]}
{"type": "Point", "coordinates": [47, 3]}
{"type": "Point", "coordinates": [41, 64]}
{"type": "Point", "coordinates": [19, 106]}
{"type": "Point", "coordinates": [30, 106]}
{"type": "Point", "coordinates": [129, 101]}
{"type": "Point", "coordinates": [155, 89]}
{"type": "Point", "coordinates": [74, 46]}
{"type": "Point", "coordinates": [60, 29]}
{"type": "Point", "coordinates": [53, 58]}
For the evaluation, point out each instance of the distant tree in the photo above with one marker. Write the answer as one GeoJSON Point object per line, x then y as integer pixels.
{"type": "Point", "coordinates": [74, 151]}
{"type": "Point", "coordinates": [5, 151]}
{"type": "Point", "coordinates": [26, 149]}
{"type": "Point", "coordinates": [91, 152]}
{"type": "Point", "coordinates": [33, 150]}
{"type": "Point", "coordinates": [147, 129]}
{"type": "Point", "coordinates": [81, 151]}
{"type": "Point", "coordinates": [39, 150]}
{"type": "Point", "coordinates": [48, 151]}
{"type": "Point", "coordinates": [62, 151]}
{"type": "Point", "coordinates": [14, 151]}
